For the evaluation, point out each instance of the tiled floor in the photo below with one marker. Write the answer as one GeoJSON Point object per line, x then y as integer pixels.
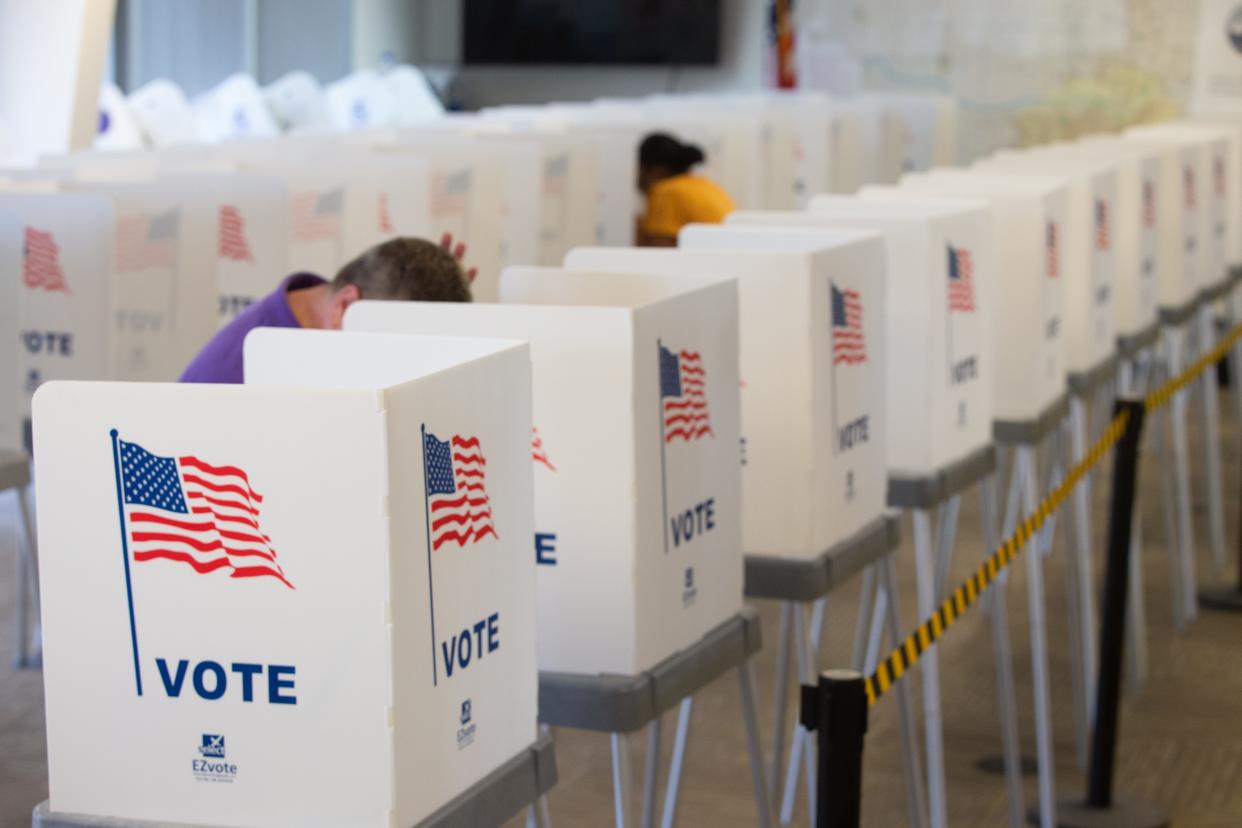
{"type": "Point", "coordinates": [1181, 735]}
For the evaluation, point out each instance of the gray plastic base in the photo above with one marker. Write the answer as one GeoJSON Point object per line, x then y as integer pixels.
{"type": "Point", "coordinates": [1031, 432]}
{"type": "Point", "coordinates": [926, 491]}
{"type": "Point", "coordinates": [808, 579]}
{"type": "Point", "coordinates": [1179, 314]}
{"type": "Point", "coordinates": [1130, 344]}
{"type": "Point", "coordinates": [14, 470]}
{"type": "Point", "coordinates": [623, 704]}
{"type": "Point", "coordinates": [1124, 813]}
{"type": "Point", "coordinates": [493, 801]}
{"type": "Point", "coordinates": [1082, 383]}
{"type": "Point", "coordinates": [1220, 290]}
{"type": "Point", "coordinates": [1225, 599]}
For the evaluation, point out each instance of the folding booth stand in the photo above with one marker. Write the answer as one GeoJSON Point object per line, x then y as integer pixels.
{"type": "Point", "coordinates": [15, 476]}
{"type": "Point", "coordinates": [657, 508]}
{"type": "Point", "coordinates": [938, 398]}
{"type": "Point", "coordinates": [819, 419]}
{"type": "Point", "coordinates": [234, 643]}
{"type": "Point", "coordinates": [500, 795]}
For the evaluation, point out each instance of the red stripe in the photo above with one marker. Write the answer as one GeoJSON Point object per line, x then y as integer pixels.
{"type": "Point", "coordinates": [201, 567]}
{"type": "Point", "coordinates": [696, 403]}
{"type": "Point", "coordinates": [222, 471]}
{"type": "Point", "coordinates": [686, 418]}
{"type": "Point", "coordinates": [193, 478]}
{"type": "Point", "coordinates": [453, 504]}
{"type": "Point", "coordinates": [465, 442]}
{"type": "Point", "coordinates": [459, 518]}
{"type": "Point", "coordinates": [201, 546]}
{"type": "Point", "coordinates": [203, 510]}
{"type": "Point", "coordinates": [258, 572]}
{"type": "Point", "coordinates": [687, 434]}
{"type": "Point", "coordinates": [464, 537]}
{"type": "Point", "coordinates": [469, 472]}
{"type": "Point", "coordinates": [691, 355]}
{"type": "Point", "coordinates": [470, 458]}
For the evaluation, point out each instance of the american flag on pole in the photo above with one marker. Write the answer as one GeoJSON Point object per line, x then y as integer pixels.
{"type": "Point", "coordinates": [683, 392]}
{"type": "Point", "coordinates": [457, 503]}
{"type": "Point", "coordinates": [1149, 204]}
{"type": "Point", "coordinates": [146, 242]}
{"type": "Point", "coordinates": [961, 280]}
{"type": "Point", "coordinates": [848, 345]}
{"type": "Point", "coordinates": [232, 243]}
{"type": "Point", "coordinates": [188, 511]}
{"type": "Point", "coordinates": [449, 191]}
{"type": "Point", "coordinates": [537, 451]}
{"type": "Point", "coordinates": [316, 216]}
{"type": "Point", "coordinates": [1188, 187]}
{"type": "Point", "coordinates": [1052, 249]}
{"type": "Point", "coordinates": [1102, 240]}
{"type": "Point", "coordinates": [385, 218]}
{"type": "Point", "coordinates": [41, 262]}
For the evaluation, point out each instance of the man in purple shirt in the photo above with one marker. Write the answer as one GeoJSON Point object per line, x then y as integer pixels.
{"type": "Point", "coordinates": [404, 269]}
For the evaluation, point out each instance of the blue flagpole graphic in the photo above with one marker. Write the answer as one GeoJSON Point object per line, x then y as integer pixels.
{"type": "Point", "coordinates": [129, 587]}
{"type": "Point", "coordinates": [431, 588]}
{"type": "Point", "coordinates": [663, 477]}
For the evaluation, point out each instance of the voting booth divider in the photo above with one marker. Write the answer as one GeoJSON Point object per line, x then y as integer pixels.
{"type": "Point", "coordinates": [260, 601]}
{"type": "Point", "coordinates": [652, 362]}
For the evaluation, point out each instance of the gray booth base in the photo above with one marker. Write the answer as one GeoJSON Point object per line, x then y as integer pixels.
{"type": "Point", "coordinates": [930, 490]}
{"type": "Point", "coordinates": [1129, 345]}
{"type": "Point", "coordinates": [1082, 383]}
{"type": "Point", "coordinates": [14, 470]}
{"type": "Point", "coordinates": [1179, 314]}
{"type": "Point", "coordinates": [1030, 432]}
{"type": "Point", "coordinates": [808, 579]}
{"type": "Point", "coordinates": [493, 801]}
{"type": "Point", "coordinates": [623, 704]}
{"type": "Point", "coordinates": [1217, 291]}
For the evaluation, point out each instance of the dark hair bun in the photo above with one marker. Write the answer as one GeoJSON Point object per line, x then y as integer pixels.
{"type": "Point", "coordinates": [659, 149]}
{"type": "Point", "coordinates": [691, 155]}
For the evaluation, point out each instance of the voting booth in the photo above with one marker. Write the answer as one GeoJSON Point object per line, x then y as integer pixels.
{"type": "Point", "coordinates": [938, 399]}
{"type": "Point", "coordinates": [1028, 223]}
{"type": "Point", "coordinates": [635, 454]}
{"type": "Point", "coordinates": [811, 336]}
{"type": "Point", "coordinates": [265, 608]}
{"type": "Point", "coordinates": [118, 129]}
{"type": "Point", "coordinates": [234, 108]}
{"type": "Point", "coordinates": [10, 294]}
{"type": "Point", "coordinates": [297, 101]}
{"type": "Point", "coordinates": [1089, 260]}
{"type": "Point", "coordinates": [62, 249]}
{"type": "Point", "coordinates": [163, 113]}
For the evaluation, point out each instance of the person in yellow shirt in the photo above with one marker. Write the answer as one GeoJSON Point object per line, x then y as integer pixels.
{"type": "Point", "coordinates": [675, 196]}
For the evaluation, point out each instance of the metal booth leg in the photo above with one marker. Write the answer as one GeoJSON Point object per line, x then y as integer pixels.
{"type": "Point", "coordinates": [1185, 525]}
{"type": "Point", "coordinates": [1059, 441]}
{"type": "Point", "coordinates": [622, 782]}
{"type": "Point", "coordinates": [1081, 559]}
{"type": "Point", "coordinates": [651, 773]}
{"type": "Point", "coordinates": [1025, 459]}
{"type": "Point", "coordinates": [801, 747]}
{"type": "Point", "coordinates": [782, 688]}
{"type": "Point", "coordinates": [679, 760]}
{"type": "Point", "coordinates": [999, 617]}
{"type": "Point", "coordinates": [1212, 446]}
{"type": "Point", "coordinates": [29, 614]}
{"type": "Point", "coordinates": [746, 684]}
{"type": "Point", "coordinates": [930, 663]}
{"type": "Point", "coordinates": [1129, 384]}
{"type": "Point", "coordinates": [916, 796]}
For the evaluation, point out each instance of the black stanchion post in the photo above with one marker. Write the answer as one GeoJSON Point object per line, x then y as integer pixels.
{"type": "Point", "coordinates": [1101, 808]}
{"type": "Point", "coordinates": [837, 709]}
{"type": "Point", "coordinates": [1228, 598]}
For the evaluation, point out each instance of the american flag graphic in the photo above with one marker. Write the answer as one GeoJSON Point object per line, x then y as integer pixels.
{"type": "Point", "coordinates": [848, 345]}
{"type": "Point", "coordinates": [41, 268]}
{"type": "Point", "coordinates": [1149, 204]}
{"type": "Point", "coordinates": [232, 243]}
{"type": "Point", "coordinates": [186, 510]}
{"type": "Point", "coordinates": [147, 242]}
{"type": "Point", "coordinates": [1102, 239]}
{"type": "Point", "coordinates": [961, 280]}
{"type": "Point", "coordinates": [683, 391]}
{"type": "Point", "coordinates": [449, 191]}
{"type": "Point", "coordinates": [316, 216]}
{"type": "Point", "coordinates": [1188, 187]}
{"type": "Point", "coordinates": [385, 218]}
{"type": "Point", "coordinates": [1053, 250]}
{"type": "Point", "coordinates": [555, 172]}
{"type": "Point", "coordinates": [537, 451]}
{"type": "Point", "coordinates": [457, 502]}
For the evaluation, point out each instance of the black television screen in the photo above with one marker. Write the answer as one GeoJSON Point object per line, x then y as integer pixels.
{"type": "Point", "coordinates": [591, 31]}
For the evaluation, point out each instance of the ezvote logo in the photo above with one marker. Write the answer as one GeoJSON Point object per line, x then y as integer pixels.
{"type": "Point", "coordinates": [204, 519]}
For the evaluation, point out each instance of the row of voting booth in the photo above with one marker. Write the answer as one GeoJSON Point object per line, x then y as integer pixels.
{"type": "Point", "coordinates": [546, 507]}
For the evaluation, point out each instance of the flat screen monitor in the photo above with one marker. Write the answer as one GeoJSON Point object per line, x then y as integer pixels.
{"type": "Point", "coordinates": [652, 32]}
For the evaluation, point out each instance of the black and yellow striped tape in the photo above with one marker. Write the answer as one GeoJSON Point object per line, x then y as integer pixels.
{"type": "Point", "coordinates": [901, 659]}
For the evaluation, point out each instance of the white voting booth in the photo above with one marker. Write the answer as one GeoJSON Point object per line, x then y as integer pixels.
{"type": "Point", "coordinates": [938, 398]}
{"type": "Point", "coordinates": [261, 601]}
{"type": "Point", "coordinates": [1028, 220]}
{"type": "Point", "coordinates": [639, 533]}
{"type": "Point", "coordinates": [234, 108]}
{"type": "Point", "coordinates": [812, 381]}
{"type": "Point", "coordinates": [163, 113]}
{"type": "Point", "coordinates": [63, 250]}
{"type": "Point", "coordinates": [118, 129]}
{"type": "Point", "coordinates": [11, 230]}
{"type": "Point", "coordinates": [297, 101]}
{"type": "Point", "coordinates": [1089, 261]}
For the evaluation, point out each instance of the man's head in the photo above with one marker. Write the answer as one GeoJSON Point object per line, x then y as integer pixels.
{"type": "Point", "coordinates": [404, 269]}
